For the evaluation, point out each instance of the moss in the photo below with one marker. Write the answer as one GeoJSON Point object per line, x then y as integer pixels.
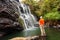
{"type": "Point", "coordinates": [21, 22]}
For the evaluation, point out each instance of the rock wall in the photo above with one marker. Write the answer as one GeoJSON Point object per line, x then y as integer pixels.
{"type": "Point", "coordinates": [8, 17]}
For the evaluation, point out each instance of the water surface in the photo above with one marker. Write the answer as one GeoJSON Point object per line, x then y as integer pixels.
{"type": "Point", "coordinates": [24, 33]}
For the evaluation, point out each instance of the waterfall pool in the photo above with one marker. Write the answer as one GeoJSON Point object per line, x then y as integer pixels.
{"type": "Point", "coordinates": [24, 33]}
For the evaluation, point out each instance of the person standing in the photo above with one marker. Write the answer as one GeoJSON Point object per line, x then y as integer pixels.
{"type": "Point", "coordinates": [41, 24]}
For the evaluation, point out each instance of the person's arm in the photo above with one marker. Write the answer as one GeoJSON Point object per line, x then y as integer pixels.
{"type": "Point", "coordinates": [39, 22]}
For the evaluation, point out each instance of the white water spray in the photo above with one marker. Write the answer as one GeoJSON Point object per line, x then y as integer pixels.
{"type": "Point", "coordinates": [25, 14]}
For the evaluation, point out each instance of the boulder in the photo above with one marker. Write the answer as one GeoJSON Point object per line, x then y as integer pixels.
{"type": "Point", "coordinates": [8, 17]}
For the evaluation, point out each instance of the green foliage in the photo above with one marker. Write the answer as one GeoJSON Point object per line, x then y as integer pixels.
{"type": "Point", "coordinates": [46, 8]}
{"type": "Point", "coordinates": [52, 16]}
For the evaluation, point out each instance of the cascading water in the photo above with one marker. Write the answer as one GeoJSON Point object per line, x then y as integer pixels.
{"type": "Point", "coordinates": [25, 14]}
{"type": "Point", "coordinates": [29, 19]}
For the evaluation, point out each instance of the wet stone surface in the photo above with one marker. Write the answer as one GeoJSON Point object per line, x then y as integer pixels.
{"type": "Point", "coordinates": [30, 38]}
{"type": "Point", "coordinates": [8, 17]}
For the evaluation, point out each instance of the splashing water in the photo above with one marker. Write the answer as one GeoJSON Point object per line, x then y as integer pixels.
{"type": "Point", "coordinates": [25, 14]}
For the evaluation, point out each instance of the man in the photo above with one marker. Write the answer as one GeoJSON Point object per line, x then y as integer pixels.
{"type": "Point", "coordinates": [41, 24]}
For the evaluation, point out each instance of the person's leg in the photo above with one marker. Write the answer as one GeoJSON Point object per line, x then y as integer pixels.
{"type": "Point", "coordinates": [41, 30]}
{"type": "Point", "coordinates": [44, 34]}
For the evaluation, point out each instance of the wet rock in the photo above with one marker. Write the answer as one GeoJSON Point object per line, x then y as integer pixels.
{"type": "Point", "coordinates": [19, 38]}
{"type": "Point", "coordinates": [29, 38]}
{"type": "Point", "coordinates": [8, 17]}
{"type": "Point", "coordinates": [35, 38]}
{"type": "Point", "coordinates": [2, 34]}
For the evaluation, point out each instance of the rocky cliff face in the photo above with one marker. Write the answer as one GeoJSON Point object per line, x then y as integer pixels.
{"type": "Point", "coordinates": [8, 17]}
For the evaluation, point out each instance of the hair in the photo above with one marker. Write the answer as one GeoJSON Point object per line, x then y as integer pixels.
{"type": "Point", "coordinates": [40, 16]}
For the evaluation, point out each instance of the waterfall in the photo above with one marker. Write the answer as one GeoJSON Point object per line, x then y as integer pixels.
{"type": "Point", "coordinates": [29, 19]}
{"type": "Point", "coordinates": [25, 14]}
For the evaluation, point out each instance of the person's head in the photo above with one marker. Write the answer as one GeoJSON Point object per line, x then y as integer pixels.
{"type": "Point", "coordinates": [40, 16]}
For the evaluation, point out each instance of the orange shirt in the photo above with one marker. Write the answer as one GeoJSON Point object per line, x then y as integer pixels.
{"type": "Point", "coordinates": [41, 22]}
